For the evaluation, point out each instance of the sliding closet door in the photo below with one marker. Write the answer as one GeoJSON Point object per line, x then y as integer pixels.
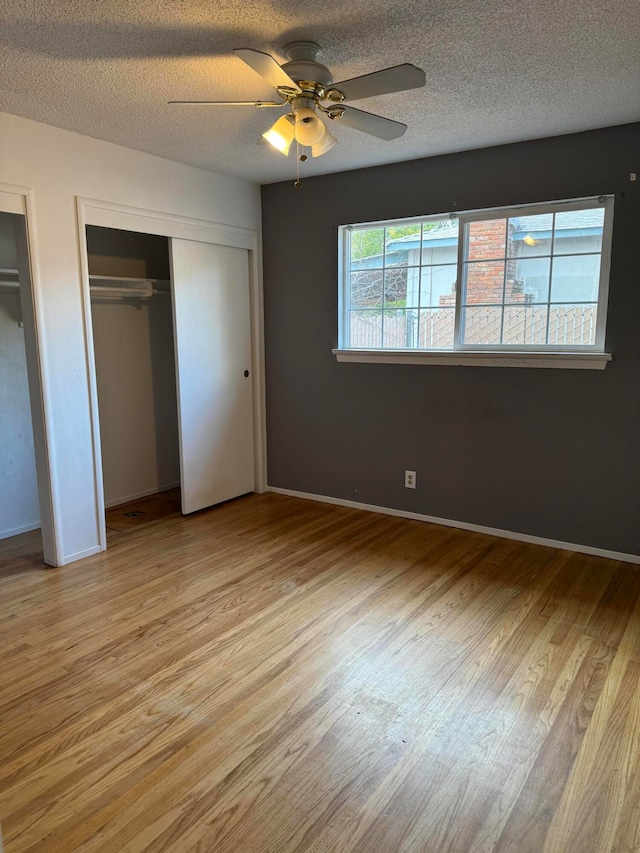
{"type": "Point", "coordinates": [213, 361]}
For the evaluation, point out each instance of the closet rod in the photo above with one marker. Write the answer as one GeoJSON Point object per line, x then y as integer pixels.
{"type": "Point", "coordinates": [128, 279]}
{"type": "Point", "coordinates": [126, 292]}
{"type": "Point", "coordinates": [9, 278]}
{"type": "Point", "coordinates": [125, 287]}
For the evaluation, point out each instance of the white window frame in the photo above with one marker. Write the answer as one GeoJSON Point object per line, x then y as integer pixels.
{"type": "Point", "coordinates": [589, 356]}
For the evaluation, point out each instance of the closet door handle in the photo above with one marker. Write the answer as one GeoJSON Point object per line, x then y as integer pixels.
{"type": "Point", "coordinates": [246, 373]}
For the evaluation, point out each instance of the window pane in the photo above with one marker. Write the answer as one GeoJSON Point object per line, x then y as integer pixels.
{"type": "Point", "coordinates": [578, 231]}
{"type": "Point", "coordinates": [530, 236]}
{"type": "Point", "coordinates": [367, 248]}
{"type": "Point", "coordinates": [400, 329]}
{"type": "Point", "coordinates": [487, 239]}
{"type": "Point", "coordinates": [575, 278]}
{"type": "Point", "coordinates": [402, 245]}
{"type": "Point", "coordinates": [365, 329]}
{"type": "Point", "coordinates": [395, 286]}
{"type": "Point", "coordinates": [482, 325]}
{"type": "Point", "coordinates": [414, 276]}
{"type": "Point", "coordinates": [440, 242]}
{"type": "Point", "coordinates": [484, 282]}
{"type": "Point", "coordinates": [528, 280]}
{"type": "Point", "coordinates": [366, 289]}
{"type": "Point", "coordinates": [572, 324]}
{"type": "Point", "coordinates": [438, 285]}
{"type": "Point", "coordinates": [524, 324]}
{"type": "Point", "coordinates": [436, 328]}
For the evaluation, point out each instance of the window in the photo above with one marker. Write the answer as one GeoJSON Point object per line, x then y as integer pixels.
{"type": "Point", "coordinates": [525, 280]}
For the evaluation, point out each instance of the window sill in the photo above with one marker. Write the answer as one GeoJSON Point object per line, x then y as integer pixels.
{"type": "Point", "coordinates": [562, 360]}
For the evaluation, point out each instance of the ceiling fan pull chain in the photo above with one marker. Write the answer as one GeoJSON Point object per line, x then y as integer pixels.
{"type": "Point", "coordinates": [297, 183]}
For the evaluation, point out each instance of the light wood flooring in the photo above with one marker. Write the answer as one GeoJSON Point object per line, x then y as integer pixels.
{"type": "Point", "coordinates": [279, 675]}
{"type": "Point", "coordinates": [136, 516]}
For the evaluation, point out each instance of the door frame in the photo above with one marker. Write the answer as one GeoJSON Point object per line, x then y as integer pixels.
{"type": "Point", "coordinates": [112, 215]}
{"type": "Point", "coordinates": [20, 200]}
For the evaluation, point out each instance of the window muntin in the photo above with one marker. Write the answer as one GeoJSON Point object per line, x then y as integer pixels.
{"type": "Point", "coordinates": [524, 278]}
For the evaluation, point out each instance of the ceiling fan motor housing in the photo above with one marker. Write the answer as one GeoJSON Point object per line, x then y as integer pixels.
{"type": "Point", "coordinates": [303, 65]}
{"type": "Point", "coordinates": [303, 106]}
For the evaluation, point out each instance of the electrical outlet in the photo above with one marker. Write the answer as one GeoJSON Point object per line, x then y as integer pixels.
{"type": "Point", "coordinates": [409, 479]}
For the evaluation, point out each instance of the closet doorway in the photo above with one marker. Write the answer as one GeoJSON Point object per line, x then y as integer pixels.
{"type": "Point", "coordinates": [172, 348]}
{"type": "Point", "coordinates": [135, 372]}
{"type": "Point", "coordinates": [20, 536]}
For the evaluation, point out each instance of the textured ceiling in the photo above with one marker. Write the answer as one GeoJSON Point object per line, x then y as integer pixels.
{"type": "Point", "coordinates": [497, 71]}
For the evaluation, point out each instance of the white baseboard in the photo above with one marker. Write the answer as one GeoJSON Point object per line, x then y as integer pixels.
{"type": "Point", "coordinates": [128, 498]}
{"type": "Point", "coordinates": [79, 555]}
{"type": "Point", "coordinates": [463, 525]}
{"type": "Point", "coordinates": [16, 531]}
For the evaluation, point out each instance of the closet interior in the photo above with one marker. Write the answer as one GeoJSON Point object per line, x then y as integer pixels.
{"type": "Point", "coordinates": [130, 287]}
{"type": "Point", "coordinates": [19, 506]}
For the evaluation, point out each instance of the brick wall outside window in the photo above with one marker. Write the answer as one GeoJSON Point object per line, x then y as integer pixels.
{"type": "Point", "coordinates": [485, 277]}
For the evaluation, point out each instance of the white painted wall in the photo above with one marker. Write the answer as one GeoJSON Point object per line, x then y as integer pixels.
{"type": "Point", "coordinates": [135, 371]}
{"type": "Point", "coordinates": [59, 166]}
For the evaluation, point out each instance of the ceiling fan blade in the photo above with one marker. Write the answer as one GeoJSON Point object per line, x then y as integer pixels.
{"type": "Point", "coordinates": [230, 103]}
{"type": "Point", "coordinates": [383, 128]}
{"type": "Point", "coordinates": [266, 66]}
{"type": "Point", "coordinates": [384, 82]}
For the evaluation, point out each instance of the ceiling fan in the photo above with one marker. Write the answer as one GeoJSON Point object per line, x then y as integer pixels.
{"type": "Point", "coordinates": [308, 91]}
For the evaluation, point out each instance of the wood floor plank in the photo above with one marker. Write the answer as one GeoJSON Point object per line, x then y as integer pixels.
{"type": "Point", "coordinates": [186, 665]}
{"type": "Point", "coordinates": [458, 739]}
{"type": "Point", "coordinates": [276, 675]}
{"type": "Point", "coordinates": [599, 745]}
{"type": "Point", "coordinates": [355, 638]}
{"type": "Point", "coordinates": [596, 814]}
{"type": "Point", "coordinates": [558, 683]}
{"type": "Point", "coordinates": [528, 823]}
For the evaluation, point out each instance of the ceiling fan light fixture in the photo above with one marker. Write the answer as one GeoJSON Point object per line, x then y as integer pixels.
{"type": "Point", "coordinates": [326, 144]}
{"type": "Point", "coordinates": [309, 128]}
{"type": "Point", "coordinates": [281, 134]}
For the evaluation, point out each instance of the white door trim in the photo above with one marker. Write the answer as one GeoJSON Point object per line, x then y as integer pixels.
{"type": "Point", "coordinates": [110, 215]}
{"type": "Point", "coordinates": [20, 200]}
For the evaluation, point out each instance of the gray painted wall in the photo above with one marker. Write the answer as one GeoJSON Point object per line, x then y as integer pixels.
{"type": "Point", "coordinates": [553, 453]}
